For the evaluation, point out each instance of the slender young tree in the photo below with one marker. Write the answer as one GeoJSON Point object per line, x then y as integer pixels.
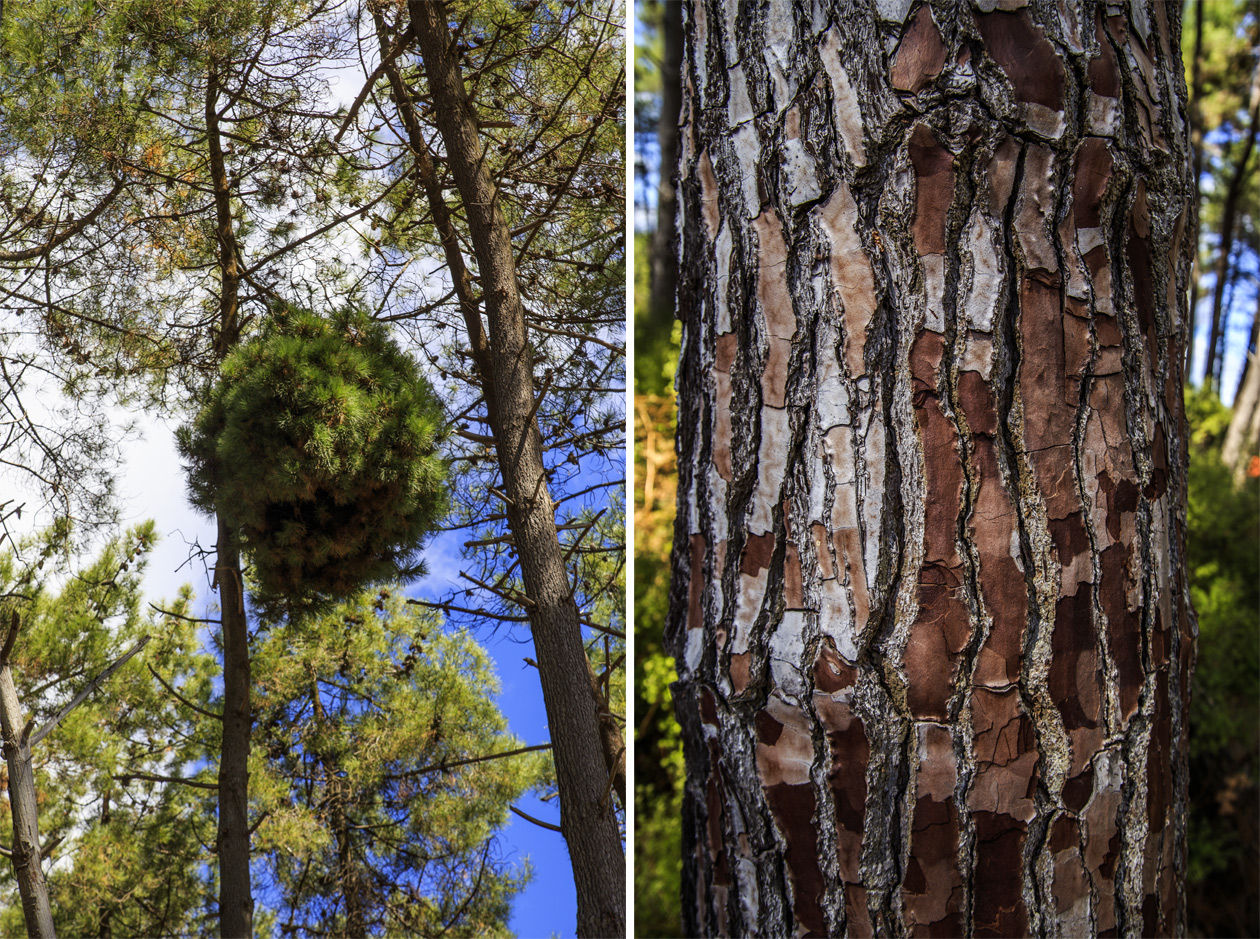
{"type": "Point", "coordinates": [930, 611]}
{"type": "Point", "coordinates": [664, 256]}
{"type": "Point", "coordinates": [569, 691]}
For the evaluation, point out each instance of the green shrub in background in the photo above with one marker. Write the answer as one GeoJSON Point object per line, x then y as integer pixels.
{"type": "Point", "coordinates": [1224, 562]}
{"type": "Point", "coordinates": [319, 445]}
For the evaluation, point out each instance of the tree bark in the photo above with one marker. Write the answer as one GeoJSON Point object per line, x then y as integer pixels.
{"type": "Point", "coordinates": [1196, 148]}
{"type": "Point", "coordinates": [570, 693]}
{"type": "Point", "coordinates": [929, 606]}
{"type": "Point", "coordinates": [27, 861]}
{"type": "Point", "coordinates": [236, 901]}
{"type": "Point", "coordinates": [1244, 424]}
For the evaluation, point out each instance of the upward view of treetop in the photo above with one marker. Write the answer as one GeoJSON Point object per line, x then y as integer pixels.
{"type": "Point", "coordinates": [371, 259]}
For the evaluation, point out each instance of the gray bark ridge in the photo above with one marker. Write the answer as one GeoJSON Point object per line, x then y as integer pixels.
{"type": "Point", "coordinates": [572, 700]}
{"type": "Point", "coordinates": [929, 612]}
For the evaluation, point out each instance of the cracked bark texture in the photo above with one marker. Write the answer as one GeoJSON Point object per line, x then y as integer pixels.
{"type": "Point", "coordinates": [929, 609]}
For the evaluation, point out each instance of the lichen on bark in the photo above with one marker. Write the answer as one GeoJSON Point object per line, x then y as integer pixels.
{"type": "Point", "coordinates": [929, 610]}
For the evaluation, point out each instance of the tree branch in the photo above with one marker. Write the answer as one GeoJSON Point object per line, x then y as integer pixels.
{"type": "Point", "coordinates": [125, 778]}
{"type": "Point", "coordinates": [14, 624]}
{"type": "Point", "coordinates": [450, 764]}
{"type": "Point", "coordinates": [537, 821]}
{"type": "Point", "coordinates": [182, 699]}
{"type": "Point", "coordinates": [91, 686]}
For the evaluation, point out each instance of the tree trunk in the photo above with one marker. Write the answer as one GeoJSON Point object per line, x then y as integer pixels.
{"type": "Point", "coordinates": [27, 862]}
{"type": "Point", "coordinates": [107, 915]}
{"type": "Point", "coordinates": [664, 268]}
{"type": "Point", "coordinates": [929, 608]}
{"type": "Point", "coordinates": [1225, 249]}
{"type": "Point", "coordinates": [236, 901]}
{"type": "Point", "coordinates": [1244, 423]}
{"type": "Point", "coordinates": [570, 693]}
{"type": "Point", "coordinates": [1196, 148]}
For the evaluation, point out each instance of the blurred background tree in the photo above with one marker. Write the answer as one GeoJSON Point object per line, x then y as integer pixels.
{"type": "Point", "coordinates": [658, 747]}
{"type": "Point", "coordinates": [1220, 39]}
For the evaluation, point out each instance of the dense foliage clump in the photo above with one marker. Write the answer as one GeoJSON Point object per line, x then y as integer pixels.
{"type": "Point", "coordinates": [319, 445]}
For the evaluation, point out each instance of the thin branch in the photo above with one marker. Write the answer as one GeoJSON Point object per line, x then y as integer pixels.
{"type": "Point", "coordinates": [91, 686]}
{"type": "Point", "coordinates": [511, 596]}
{"type": "Point", "coordinates": [125, 778]}
{"type": "Point", "coordinates": [612, 774]}
{"type": "Point", "coordinates": [261, 818]}
{"type": "Point", "coordinates": [187, 619]}
{"type": "Point", "coordinates": [448, 607]}
{"type": "Point", "coordinates": [182, 699]}
{"type": "Point", "coordinates": [450, 764]}
{"type": "Point", "coordinates": [10, 257]}
{"type": "Point", "coordinates": [537, 821]}
{"type": "Point", "coordinates": [606, 630]}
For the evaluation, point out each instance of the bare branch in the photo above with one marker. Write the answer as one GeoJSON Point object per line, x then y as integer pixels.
{"type": "Point", "coordinates": [125, 778]}
{"type": "Point", "coordinates": [182, 699]}
{"type": "Point", "coordinates": [91, 686]}
{"type": "Point", "coordinates": [537, 821]}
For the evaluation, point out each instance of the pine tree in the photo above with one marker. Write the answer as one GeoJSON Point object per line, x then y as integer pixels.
{"type": "Point", "coordinates": [514, 170]}
{"type": "Point", "coordinates": [384, 770]}
{"type": "Point", "coordinates": [126, 840]}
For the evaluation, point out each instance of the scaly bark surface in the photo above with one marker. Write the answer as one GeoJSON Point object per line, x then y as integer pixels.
{"type": "Point", "coordinates": [929, 608]}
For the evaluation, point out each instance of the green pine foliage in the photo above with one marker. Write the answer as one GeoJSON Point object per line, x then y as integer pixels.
{"type": "Point", "coordinates": [128, 851]}
{"type": "Point", "coordinates": [380, 818]}
{"type": "Point", "coordinates": [319, 443]}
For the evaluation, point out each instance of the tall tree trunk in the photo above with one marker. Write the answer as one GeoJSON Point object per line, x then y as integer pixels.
{"type": "Point", "coordinates": [570, 693]}
{"type": "Point", "coordinates": [236, 901]}
{"type": "Point", "coordinates": [348, 875]}
{"type": "Point", "coordinates": [1244, 423]}
{"type": "Point", "coordinates": [1196, 147]}
{"type": "Point", "coordinates": [664, 267]}
{"type": "Point", "coordinates": [1225, 249]}
{"type": "Point", "coordinates": [107, 916]}
{"type": "Point", "coordinates": [929, 608]}
{"type": "Point", "coordinates": [23, 806]}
